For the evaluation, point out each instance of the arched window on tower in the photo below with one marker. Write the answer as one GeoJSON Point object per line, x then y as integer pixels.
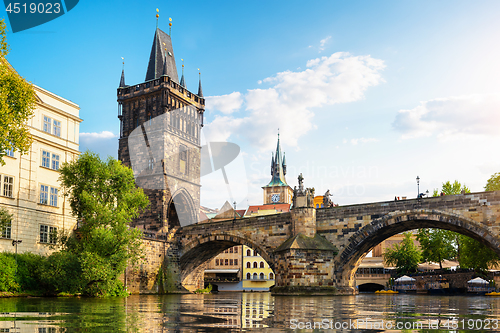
{"type": "Point", "coordinates": [248, 265]}
{"type": "Point", "coordinates": [249, 253]}
{"type": "Point", "coordinates": [255, 277]}
{"type": "Point", "coordinates": [255, 264]}
{"type": "Point", "coordinates": [249, 276]}
{"type": "Point", "coordinates": [261, 264]}
{"type": "Point", "coordinates": [271, 276]}
{"type": "Point", "coordinates": [262, 276]}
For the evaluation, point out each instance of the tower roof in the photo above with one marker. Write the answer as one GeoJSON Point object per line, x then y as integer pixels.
{"type": "Point", "coordinates": [278, 168]}
{"type": "Point", "coordinates": [122, 80]}
{"type": "Point", "coordinates": [157, 56]}
{"type": "Point", "coordinates": [200, 91]}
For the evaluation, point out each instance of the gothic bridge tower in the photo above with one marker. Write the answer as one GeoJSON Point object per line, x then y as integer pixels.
{"type": "Point", "coordinates": [278, 191]}
{"type": "Point", "coordinates": [160, 124]}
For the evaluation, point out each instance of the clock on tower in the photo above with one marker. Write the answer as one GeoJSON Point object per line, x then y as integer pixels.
{"type": "Point", "coordinates": [275, 198]}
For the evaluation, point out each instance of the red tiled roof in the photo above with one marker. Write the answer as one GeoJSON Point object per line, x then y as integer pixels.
{"type": "Point", "coordinates": [280, 208]}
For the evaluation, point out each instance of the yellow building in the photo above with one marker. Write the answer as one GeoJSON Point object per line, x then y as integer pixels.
{"type": "Point", "coordinates": [29, 186]}
{"type": "Point", "coordinates": [257, 275]}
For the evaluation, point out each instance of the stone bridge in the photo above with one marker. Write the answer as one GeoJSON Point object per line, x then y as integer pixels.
{"type": "Point", "coordinates": [317, 249]}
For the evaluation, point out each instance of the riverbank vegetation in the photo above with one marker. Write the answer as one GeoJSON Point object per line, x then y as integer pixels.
{"type": "Point", "coordinates": [90, 260]}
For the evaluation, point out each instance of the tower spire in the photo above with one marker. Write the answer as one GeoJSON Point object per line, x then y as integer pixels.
{"type": "Point", "coordinates": [200, 91]}
{"type": "Point", "coordinates": [183, 82]}
{"type": "Point", "coordinates": [157, 15]}
{"type": "Point", "coordinates": [122, 79]}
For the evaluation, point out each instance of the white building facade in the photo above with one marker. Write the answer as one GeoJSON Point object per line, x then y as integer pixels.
{"type": "Point", "coordinates": [29, 185]}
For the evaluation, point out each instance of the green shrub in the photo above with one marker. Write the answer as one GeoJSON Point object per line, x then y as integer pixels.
{"type": "Point", "coordinates": [61, 273]}
{"type": "Point", "coordinates": [8, 273]}
{"type": "Point", "coordinates": [28, 270]}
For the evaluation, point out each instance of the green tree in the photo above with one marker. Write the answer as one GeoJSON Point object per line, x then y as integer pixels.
{"type": "Point", "coordinates": [449, 188]}
{"type": "Point", "coordinates": [493, 184]}
{"type": "Point", "coordinates": [103, 196]}
{"type": "Point", "coordinates": [476, 255]}
{"type": "Point", "coordinates": [405, 256]}
{"type": "Point", "coordinates": [437, 245]}
{"type": "Point", "coordinates": [17, 101]}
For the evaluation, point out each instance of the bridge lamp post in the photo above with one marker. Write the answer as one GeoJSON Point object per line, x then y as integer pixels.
{"type": "Point", "coordinates": [418, 187]}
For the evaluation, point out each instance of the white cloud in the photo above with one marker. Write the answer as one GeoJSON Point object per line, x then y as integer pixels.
{"type": "Point", "coordinates": [287, 103]}
{"type": "Point", "coordinates": [451, 117]}
{"type": "Point", "coordinates": [226, 104]}
{"type": "Point", "coordinates": [104, 143]}
{"type": "Point", "coordinates": [97, 136]}
{"type": "Point", "coordinates": [363, 140]}
{"type": "Point", "coordinates": [323, 42]}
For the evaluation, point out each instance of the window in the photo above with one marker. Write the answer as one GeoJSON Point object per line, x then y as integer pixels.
{"type": "Point", "coordinates": [57, 128]}
{"type": "Point", "coordinates": [271, 276]}
{"type": "Point", "coordinates": [255, 264]}
{"type": "Point", "coordinates": [183, 159]}
{"type": "Point", "coordinates": [231, 250]}
{"type": "Point", "coordinates": [236, 262]}
{"type": "Point", "coordinates": [47, 124]}
{"type": "Point", "coordinates": [55, 162]}
{"type": "Point", "coordinates": [236, 249]}
{"type": "Point", "coordinates": [53, 196]}
{"type": "Point", "coordinates": [7, 230]}
{"type": "Point", "coordinates": [48, 234]}
{"type": "Point", "coordinates": [248, 276]}
{"type": "Point", "coordinates": [262, 276]}
{"type": "Point", "coordinates": [216, 262]}
{"type": "Point", "coordinates": [230, 262]}
{"type": "Point", "coordinates": [255, 276]}
{"type": "Point", "coordinates": [249, 253]}
{"type": "Point", "coordinates": [151, 163]}
{"type": "Point", "coordinates": [46, 155]}
{"type": "Point", "coordinates": [261, 264]}
{"type": "Point", "coordinates": [226, 262]}
{"type": "Point", "coordinates": [249, 265]}
{"type": "Point", "coordinates": [45, 159]}
{"type": "Point", "coordinates": [44, 195]}
{"type": "Point", "coordinates": [9, 152]}
{"type": "Point", "coordinates": [8, 186]}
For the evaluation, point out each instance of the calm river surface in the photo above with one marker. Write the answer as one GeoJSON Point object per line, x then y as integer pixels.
{"type": "Point", "coordinates": [251, 312]}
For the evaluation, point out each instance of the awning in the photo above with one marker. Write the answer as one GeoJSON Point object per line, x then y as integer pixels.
{"type": "Point", "coordinates": [405, 278]}
{"type": "Point", "coordinates": [478, 280]}
{"type": "Point", "coordinates": [233, 271]}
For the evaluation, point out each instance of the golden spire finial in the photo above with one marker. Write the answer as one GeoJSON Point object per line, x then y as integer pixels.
{"type": "Point", "coordinates": [170, 26]}
{"type": "Point", "coordinates": [182, 63]}
{"type": "Point", "coordinates": [123, 63]}
{"type": "Point", "coordinates": [157, 15]}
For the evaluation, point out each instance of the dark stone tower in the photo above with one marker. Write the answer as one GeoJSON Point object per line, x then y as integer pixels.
{"type": "Point", "coordinates": [160, 124]}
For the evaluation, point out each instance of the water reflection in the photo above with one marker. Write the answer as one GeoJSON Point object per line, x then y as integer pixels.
{"type": "Point", "coordinates": [248, 311]}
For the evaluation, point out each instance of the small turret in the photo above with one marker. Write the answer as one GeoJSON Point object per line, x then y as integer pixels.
{"type": "Point", "coordinates": [122, 79]}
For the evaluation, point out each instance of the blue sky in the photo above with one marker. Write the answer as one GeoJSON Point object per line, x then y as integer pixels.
{"type": "Point", "coordinates": [367, 94]}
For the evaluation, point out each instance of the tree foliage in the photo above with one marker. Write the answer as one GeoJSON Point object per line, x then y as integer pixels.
{"type": "Point", "coordinates": [17, 101]}
{"type": "Point", "coordinates": [493, 184]}
{"type": "Point", "coordinates": [449, 188]}
{"type": "Point", "coordinates": [476, 255]}
{"type": "Point", "coordinates": [405, 256]}
{"type": "Point", "coordinates": [103, 196]}
{"type": "Point", "coordinates": [437, 245]}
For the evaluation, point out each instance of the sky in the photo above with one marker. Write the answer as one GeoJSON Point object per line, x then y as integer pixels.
{"type": "Point", "coordinates": [367, 95]}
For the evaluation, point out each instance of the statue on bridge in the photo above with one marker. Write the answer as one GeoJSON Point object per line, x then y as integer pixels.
{"type": "Point", "coordinates": [326, 199]}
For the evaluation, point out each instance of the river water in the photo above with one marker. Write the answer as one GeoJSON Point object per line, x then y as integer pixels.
{"type": "Point", "coordinates": [251, 312]}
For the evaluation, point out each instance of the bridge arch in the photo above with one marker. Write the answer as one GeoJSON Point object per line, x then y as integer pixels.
{"type": "Point", "coordinates": [206, 247]}
{"type": "Point", "coordinates": [181, 209]}
{"type": "Point", "coordinates": [396, 222]}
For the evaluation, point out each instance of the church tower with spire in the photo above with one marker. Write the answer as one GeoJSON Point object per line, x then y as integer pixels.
{"type": "Point", "coordinates": [278, 191]}
{"type": "Point", "coordinates": [165, 119]}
